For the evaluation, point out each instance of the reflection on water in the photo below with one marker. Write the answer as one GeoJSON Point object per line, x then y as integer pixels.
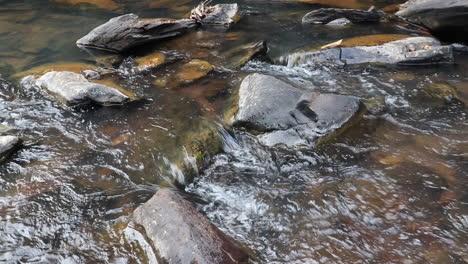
{"type": "Point", "coordinates": [389, 190]}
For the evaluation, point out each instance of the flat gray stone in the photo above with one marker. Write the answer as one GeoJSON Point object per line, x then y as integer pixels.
{"type": "Point", "coordinates": [409, 51]}
{"type": "Point", "coordinates": [283, 114]}
{"type": "Point", "coordinates": [74, 88]}
{"type": "Point", "coordinates": [127, 31]}
{"type": "Point", "coordinates": [181, 234]}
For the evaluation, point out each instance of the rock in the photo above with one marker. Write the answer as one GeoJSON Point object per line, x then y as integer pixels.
{"type": "Point", "coordinates": [74, 88]}
{"type": "Point", "coordinates": [327, 15]}
{"type": "Point", "coordinates": [127, 31]}
{"type": "Point", "coordinates": [220, 14]}
{"type": "Point", "coordinates": [283, 114]}
{"type": "Point", "coordinates": [150, 61]}
{"type": "Point", "coordinates": [8, 144]}
{"type": "Point", "coordinates": [180, 234]}
{"type": "Point", "coordinates": [409, 51]}
{"type": "Point", "coordinates": [446, 19]}
{"type": "Point", "coordinates": [441, 91]}
{"type": "Point", "coordinates": [193, 70]}
{"type": "Point", "coordinates": [340, 22]}
{"type": "Point", "coordinates": [239, 56]}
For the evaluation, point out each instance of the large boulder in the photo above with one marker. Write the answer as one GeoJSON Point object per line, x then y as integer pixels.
{"type": "Point", "coordinates": [74, 88]}
{"type": "Point", "coordinates": [279, 113]}
{"type": "Point", "coordinates": [8, 144]}
{"type": "Point", "coordinates": [327, 15]}
{"type": "Point", "coordinates": [447, 19]}
{"type": "Point", "coordinates": [409, 51]}
{"type": "Point", "coordinates": [127, 31]}
{"type": "Point", "coordinates": [181, 234]}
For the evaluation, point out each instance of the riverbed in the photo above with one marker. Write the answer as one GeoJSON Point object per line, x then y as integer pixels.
{"type": "Point", "coordinates": [390, 189]}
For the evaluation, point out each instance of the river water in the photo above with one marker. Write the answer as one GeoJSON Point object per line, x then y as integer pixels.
{"type": "Point", "coordinates": [391, 189]}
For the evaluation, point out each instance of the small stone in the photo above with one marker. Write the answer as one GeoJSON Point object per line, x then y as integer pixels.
{"type": "Point", "coordinates": [8, 144]}
{"type": "Point", "coordinates": [150, 61]}
{"type": "Point", "coordinates": [193, 70]}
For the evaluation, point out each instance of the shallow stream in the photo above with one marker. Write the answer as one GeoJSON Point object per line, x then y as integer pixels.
{"type": "Point", "coordinates": [391, 189]}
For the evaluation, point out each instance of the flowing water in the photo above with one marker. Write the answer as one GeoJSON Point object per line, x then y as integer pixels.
{"type": "Point", "coordinates": [391, 189]}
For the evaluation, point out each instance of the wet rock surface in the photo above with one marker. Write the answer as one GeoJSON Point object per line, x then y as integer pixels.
{"type": "Point", "coordinates": [409, 51]}
{"type": "Point", "coordinates": [8, 144]}
{"type": "Point", "coordinates": [74, 88]}
{"type": "Point", "coordinates": [284, 114]}
{"type": "Point", "coordinates": [180, 234]}
{"type": "Point", "coordinates": [127, 31]}
{"type": "Point", "coordinates": [445, 18]}
{"type": "Point", "coordinates": [327, 15]}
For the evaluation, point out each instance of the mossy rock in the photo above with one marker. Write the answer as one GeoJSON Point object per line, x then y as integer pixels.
{"type": "Point", "coordinates": [441, 91]}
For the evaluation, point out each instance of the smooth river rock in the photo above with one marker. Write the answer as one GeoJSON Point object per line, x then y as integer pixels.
{"type": "Point", "coordinates": [408, 51]}
{"type": "Point", "coordinates": [74, 88]}
{"type": "Point", "coordinates": [327, 15]}
{"type": "Point", "coordinates": [280, 113]}
{"type": "Point", "coordinates": [8, 144]}
{"type": "Point", "coordinates": [127, 31]}
{"type": "Point", "coordinates": [180, 234]}
{"type": "Point", "coordinates": [445, 18]}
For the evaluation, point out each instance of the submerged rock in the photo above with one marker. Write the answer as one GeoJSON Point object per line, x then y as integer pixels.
{"type": "Point", "coordinates": [327, 15]}
{"type": "Point", "coordinates": [193, 70]}
{"type": "Point", "coordinates": [127, 31]}
{"type": "Point", "coordinates": [220, 14]}
{"type": "Point", "coordinates": [74, 88]}
{"type": "Point", "coordinates": [239, 56]}
{"type": "Point", "coordinates": [8, 144]}
{"type": "Point", "coordinates": [443, 18]}
{"type": "Point", "coordinates": [150, 61]}
{"type": "Point", "coordinates": [283, 114]}
{"type": "Point", "coordinates": [409, 51]}
{"type": "Point", "coordinates": [180, 234]}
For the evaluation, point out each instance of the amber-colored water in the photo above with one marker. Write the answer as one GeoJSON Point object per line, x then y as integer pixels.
{"type": "Point", "coordinates": [391, 189]}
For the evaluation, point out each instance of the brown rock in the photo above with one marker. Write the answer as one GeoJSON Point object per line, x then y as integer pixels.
{"type": "Point", "coordinates": [181, 234]}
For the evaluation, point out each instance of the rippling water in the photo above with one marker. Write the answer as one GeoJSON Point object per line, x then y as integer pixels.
{"type": "Point", "coordinates": [391, 189]}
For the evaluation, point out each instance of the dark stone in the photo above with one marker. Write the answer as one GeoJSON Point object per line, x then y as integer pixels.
{"type": "Point", "coordinates": [181, 234]}
{"type": "Point", "coordinates": [446, 19]}
{"type": "Point", "coordinates": [409, 51]}
{"type": "Point", "coordinates": [74, 88]}
{"type": "Point", "coordinates": [8, 144]}
{"type": "Point", "coordinates": [127, 31]}
{"type": "Point", "coordinates": [280, 113]}
{"type": "Point", "coordinates": [327, 15]}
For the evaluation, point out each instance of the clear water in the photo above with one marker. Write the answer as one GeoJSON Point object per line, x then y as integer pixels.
{"type": "Point", "coordinates": [391, 189]}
